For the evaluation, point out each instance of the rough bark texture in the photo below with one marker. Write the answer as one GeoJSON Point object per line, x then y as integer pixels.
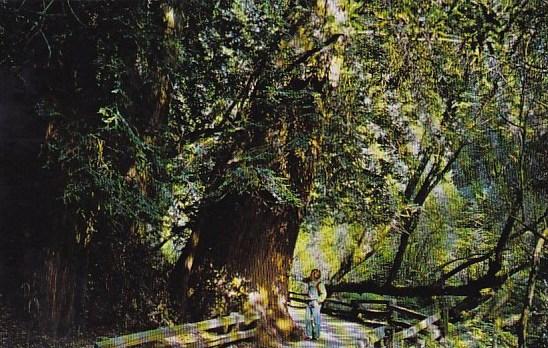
{"type": "Point", "coordinates": [41, 280]}
{"type": "Point", "coordinates": [241, 237]}
{"type": "Point", "coordinates": [244, 238]}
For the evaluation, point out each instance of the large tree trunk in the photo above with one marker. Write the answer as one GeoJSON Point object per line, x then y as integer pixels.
{"type": "Point", "coordinates": [248, 237]}
{"type": "Point", "coordinates": [242, 237]}
{"type": "Point", "coordinates": [40, 263]}
{"type": "Point", "coordinates": [62, 287]}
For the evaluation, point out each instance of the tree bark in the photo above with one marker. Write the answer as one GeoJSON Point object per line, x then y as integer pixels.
{"type": "Point", "coordinates": [523, 320]}
{"type": "Point", "coordinates": [242, 237]}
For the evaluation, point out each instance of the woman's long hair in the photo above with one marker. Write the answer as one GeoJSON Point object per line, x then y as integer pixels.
{"type": "Point", "coordinates": [315, 275]}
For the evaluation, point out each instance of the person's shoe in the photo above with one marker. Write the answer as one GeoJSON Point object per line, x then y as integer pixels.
{"type": "Point", "coordinates": [308, 338]}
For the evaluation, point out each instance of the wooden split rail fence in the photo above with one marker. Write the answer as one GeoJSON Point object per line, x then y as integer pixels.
{"type": "Point", "coordinates": [393, 324]}
{"type": "Point", "coordinates": [209, 333]}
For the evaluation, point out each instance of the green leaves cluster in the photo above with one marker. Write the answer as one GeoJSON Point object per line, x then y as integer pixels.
{"type": "Point", "coordinates": [433, 140]}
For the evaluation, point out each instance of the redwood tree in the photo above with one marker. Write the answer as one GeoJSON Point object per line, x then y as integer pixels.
{"type": "Point", "coordinates": [259, 187]}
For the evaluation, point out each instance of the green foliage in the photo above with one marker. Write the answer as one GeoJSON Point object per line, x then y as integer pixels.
{"type": "Point", "coordinates": [145, 103]}
{"type": "Point", "coordinates": [227, 294]}
{"type": "Point", "coordinates": [324, 246]}
{"type": "Point", "coordinates": [428, 86]}
{"type": "Point", "coordinates": [428, 122]}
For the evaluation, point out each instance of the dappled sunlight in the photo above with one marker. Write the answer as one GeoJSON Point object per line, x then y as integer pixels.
{"type": "Point", "coordinates": [284, 324]}
{"type": "Point", "coordinates": [171, 172]}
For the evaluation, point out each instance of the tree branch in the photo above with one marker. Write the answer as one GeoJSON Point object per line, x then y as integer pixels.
{"type": "Point", "coordinates": [447, 167]}
{"type": "Point", "coordinates": [465, 265]}
{"type": "Point", "coordinates": [306, 55]}
{"type": "Point", "coordinates": [412, 184]}
{"type": "Point", "coordinates": [434, 176]}
{"type": "Point", "coordinates": [486, 281]}
{"type": "Point", "coordinates": [528, 302]}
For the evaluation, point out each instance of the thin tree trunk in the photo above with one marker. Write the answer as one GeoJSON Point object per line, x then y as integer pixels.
{"type": "Point", "coordinates": [523, 320]}
{"type": "Point", "coordinates": [434, 176]}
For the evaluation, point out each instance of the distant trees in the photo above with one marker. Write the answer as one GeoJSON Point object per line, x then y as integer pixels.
{"type": "Point", "coordinates": [439, 118]}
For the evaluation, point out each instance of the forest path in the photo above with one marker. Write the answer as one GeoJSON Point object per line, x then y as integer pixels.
{"type": "Point", "coordinates": [335, 332]}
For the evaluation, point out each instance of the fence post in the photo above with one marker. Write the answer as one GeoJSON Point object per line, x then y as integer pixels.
{"type": "Point", "coordinates": [354, 311]}
{"type": "Point", "coordinates": [391, 329]}
{"type": "Point", "coordinates": [388, 339]}
{"type": "Point", "coordinates": [239, 320]}
{"type": "Point", "coordinates": [445, 320]}
{"type": "Point", "coordinates": [393, 313]}
{"type": "Point", "coordinates": [443, 308]}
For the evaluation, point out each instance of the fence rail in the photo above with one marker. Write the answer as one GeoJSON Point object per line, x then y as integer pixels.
{"type": "Point", "coordinates": [189, 335]}
{"type": "Point", "coordinates": [391, 321]}
{"type": "Point", "coordinates": [384, 335]}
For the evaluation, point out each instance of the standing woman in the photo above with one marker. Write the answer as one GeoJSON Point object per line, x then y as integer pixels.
{"type": "Point", "coordinates": [316, 294]}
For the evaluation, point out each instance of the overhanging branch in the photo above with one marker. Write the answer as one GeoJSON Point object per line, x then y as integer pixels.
{"type": "Point", "coordinates": [436, 289]}
{"type": "Point", "coordinates": [308, 54]}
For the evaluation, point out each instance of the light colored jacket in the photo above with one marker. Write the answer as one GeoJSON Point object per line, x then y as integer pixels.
{"type": "Point", "coordinates": [316, 292]}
